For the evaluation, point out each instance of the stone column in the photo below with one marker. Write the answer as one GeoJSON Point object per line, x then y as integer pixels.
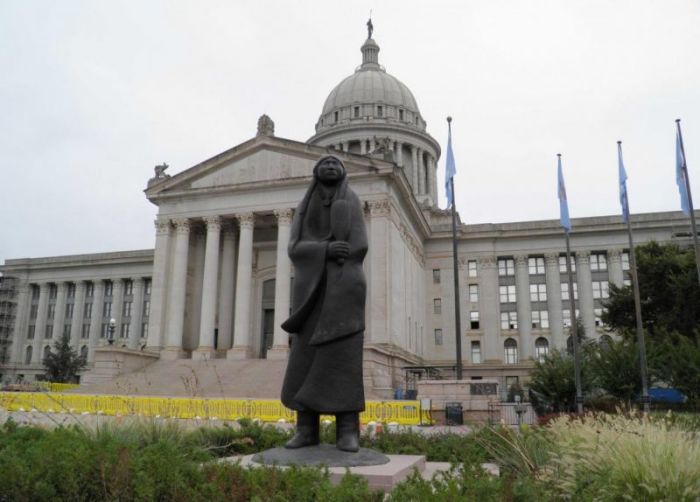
{"type": "Point", "coordinates": [522, 294]}
{"type": "Point", "coordinates": [118, 310]}
{"type": "Point", "coordinates": [40, 323]}
{"type": "Point", "coordinates": [399, 154]}
{"type": "Point", "coordinates": [421, 172]}
{"type": "Point", "coordinates": [98, 299]}
{"type": "Point", "coordinates": [372, 145]}
{"type": "Point", "coordinates": [177, 292]}
{"type": "Point", "coordinates": [207, 322]}
{"type": "Point", "coordinates": [363, 147]}
{"type": "Point", "coordinates": [159, 296]}
{"type": "Point", "coordinates": [616, 275]}
{"type": "Point", "coordinates": [432, 178]}
{"type": "Point", "coordinates": [241, 332]}
{"type": "Point", "coordinates": [280, 344]}
{"type": "Point", "coordinates": [228, 273]}
{"type": "Point", "coordinates": [414, 168]}
{"type": "Point", "coordinates": [76, 327]}
{"type": "Point", "coordinates": [60, 313]}
{"type": "Point", "coordinates": [136, 313]}
{"type": "Point", "coordinates": [554, 302]}
{"type": "Point", "coordinates": [377, 268]}
{"type": "Point", "coordinates": [585, 291]}
{"type": "Point", "coordinates": [492, 350]}
{"type": "Point", "coordinates": [20, 327]}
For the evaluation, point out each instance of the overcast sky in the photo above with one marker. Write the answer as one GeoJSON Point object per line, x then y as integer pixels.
{"type": "Point", "coordinates": [94, 94]}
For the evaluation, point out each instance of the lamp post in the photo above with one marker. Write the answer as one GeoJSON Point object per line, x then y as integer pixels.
{"type": "Point", "coordinates": [112, 325]}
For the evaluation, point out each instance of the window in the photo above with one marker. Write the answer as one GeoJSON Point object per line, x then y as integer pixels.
{"type": "Point", "coordinates": [69, 310]}
{"type": "Point", "coordinates": [85, 333]}
{"type": "Point", "coordinates": [401, 115]}
{"type": "Point", "coordinates": [471, 268]}
{"type": "Point", "coordinates": [599, 262]}
{"type": "Point", "coordinates": [107, 309]}
{"type": "Point", "coordinates": [562, 264]}
{"type": "Point", "coordinates": [535, 265]}
{"type": "Point", "coordinates": [474, 293]}
{"type": "Point", "coordinates": [565, 291]}
{"type": "Point", "coordinates": [625, 261]}
{"type": "Point", "coordinates": [380, 111]}
{"type": "Point", "coordinates": [510, 348]}
{"type": "Point", "coordinates": [474, 319]}
{"type": "Point", "coordinates": [28, 355]}
{"type": "Point", "coordinates": [126, 310]}
{"type": "Point", "coordinates": [438, 336]}
{"type": "Point", "coordinates": [35, 292]}
{"type": "Point", "coordinates": [146, 307]}
{"type": "Point", "coordinates": [509, 320]}
{"type": "Point", "coordinates": [84, 352]}
{"type": "Point", "coordinates": [144, 330]}
{"type": "Point", "coordinates": [600, 289]}
{"type": "Point", "coordinates": [356, 112]}
{"type": "Point", "coordinates": [476, 352]}
{"type": "Point", "coordinates": [147, 287]}
{"type": "Point", "coordinates": [598, 314]}
{"type": "Point", "coordinates": [47, 350]}
{"type": "Point", "coordinates": [34, 311]}
{"type": "Point", "coordinates": [87, 311]}
{"type": "Point", "coordinates": [538, 292]}
{"type": "Point", "coordinates": [506, 266]}
{"type": "Point", "coordinates": [89, 289]}
{"type": "Point", "coordinates": [30, 332]}
{"type": "Point", "coordinates": [109, 286]}
{"type": "Point", "coordinates": [566, 317]}
{"type": "Point", "coordinates": [541, 349]}
{"type": "Point", "coordinates": [49, 331]}
{"type": "Point", "coordinates": [52, 311]}
{"type": "Point", "coordinates": [124, 332]}
{"type": "Point", "coordinates": [66, 330]}
{"type": "Point", "coordinates": [104, 332]}
{"type": "Point", "coordinates": [627, 282]}
{"type": "Point", "coordinates": [436, 276]}
{"type": "Point", "coordinates": [53, 291]}
{"type": "Point", "coordinates": [540, 319]}
{"type": "Point", "coordinates": [128, 287]}
{"type": "Point", "coordinates": [437, 306]}
{"type": "Point", "coordinates": [335, 117]}
{"type": "Point", "coordinates": [71, 290]}
{"type": "Point", "coordinates": [507, 294]}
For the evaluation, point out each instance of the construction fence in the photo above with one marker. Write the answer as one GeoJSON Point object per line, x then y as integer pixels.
{"type": "Point", "coordinates": [266, 410]}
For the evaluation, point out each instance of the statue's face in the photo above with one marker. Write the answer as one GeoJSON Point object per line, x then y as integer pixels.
{"type": "Point", "coordinates": [330, 171]}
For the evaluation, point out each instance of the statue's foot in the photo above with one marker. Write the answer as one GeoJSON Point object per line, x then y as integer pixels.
{"type": "Point", "coordinates": [307, 431]}
{"type": "Point", "coordinates": [347, 435]}
{"type": "Point", "coordinates": [301, 439]}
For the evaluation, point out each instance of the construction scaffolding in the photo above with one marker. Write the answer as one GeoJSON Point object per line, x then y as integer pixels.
{"type": "Point", "coordinates": [8, 311]}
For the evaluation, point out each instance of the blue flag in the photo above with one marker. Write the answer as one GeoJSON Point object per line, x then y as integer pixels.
{"type": "Point", "coordinates": [681, 173]}
{"type": "Point", "coordinates": [563, 203]}
{"type": "Point", "coordinates": [450, 169]}
{"type": "Point", "coordinates": [623, 185]}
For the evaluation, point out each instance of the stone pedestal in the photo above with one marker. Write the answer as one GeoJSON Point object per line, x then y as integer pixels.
{"type": "Point", "coordinates": [114, 361]}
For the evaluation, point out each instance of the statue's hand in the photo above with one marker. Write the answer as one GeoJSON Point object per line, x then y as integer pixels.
{"type": "Point", "coordinates": [338, 249]}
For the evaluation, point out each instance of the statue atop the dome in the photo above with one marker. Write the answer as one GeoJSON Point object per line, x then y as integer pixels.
{"type": "Point", "coordinates": [159, 172]}
{"type": "Point", "coordinates": [266, 127]}
{"type": "Point", "coordinates": [327, 246]}
{"type": "Point", "coordinates": [370, 28]}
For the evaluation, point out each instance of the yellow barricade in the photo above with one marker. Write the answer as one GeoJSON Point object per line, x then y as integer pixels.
{"type": "Point", "coordinates": [266, 410]}
{"type": "Point", "coordinates": [56, 387]}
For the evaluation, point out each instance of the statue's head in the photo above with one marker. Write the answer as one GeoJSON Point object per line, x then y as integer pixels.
{"type": "Point", "coordinates": [329, 170]}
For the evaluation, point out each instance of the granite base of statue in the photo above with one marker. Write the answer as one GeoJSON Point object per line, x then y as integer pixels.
{"type": "Point", "coordinates": [327, 245]}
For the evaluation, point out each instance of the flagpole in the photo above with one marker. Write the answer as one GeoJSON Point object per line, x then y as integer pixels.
{"type": "Point", "coordinates": [684, 166]}
{"type": "Point", "coordinates": [455, 266]}
{"type": "Point", "coordinates": [637, 301]}
{"type": "Point", "coordinates": [574, 323]}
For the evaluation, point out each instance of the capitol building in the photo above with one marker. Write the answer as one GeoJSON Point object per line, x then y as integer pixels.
{"type": "Point", "coordinates": [217, 283]}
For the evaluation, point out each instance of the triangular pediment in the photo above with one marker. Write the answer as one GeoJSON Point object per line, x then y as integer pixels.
{"type": "Point", "coordinates": [262, 160]}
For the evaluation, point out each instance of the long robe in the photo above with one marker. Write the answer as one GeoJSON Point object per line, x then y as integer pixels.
{"type": "Point", "coordinates": [324, 371]}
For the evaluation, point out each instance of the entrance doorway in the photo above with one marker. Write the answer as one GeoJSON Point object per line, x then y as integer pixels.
{"type": "Point", "coordinates": [268, 317]}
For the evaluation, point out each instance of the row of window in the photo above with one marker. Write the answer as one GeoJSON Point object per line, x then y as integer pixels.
{"type": "Point", "coordinates": [378, 113]}
{"type": "Point", "coordinates": [536, 265]}
{"type": "Point", "coordinates": [85, 331]}
{"type": "Point", "coordinates": [510, 349]}
{"type": "Point", "coordinates": [87, 310]}
{"type": "Point", "coordinates": [90, 289]}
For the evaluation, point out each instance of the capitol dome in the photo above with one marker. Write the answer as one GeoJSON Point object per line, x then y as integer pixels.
{"type": "Point", "coordinates": [372, 112]}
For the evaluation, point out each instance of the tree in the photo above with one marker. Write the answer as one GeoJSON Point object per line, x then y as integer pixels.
{"type": "Point", "coordinates": [669, 291]}
{"type": "Point", "coordinates": [614, 368]}
{"type": "Point", "coordinates": [676, 360]}
{"type": "Point", "coordinates": [552, 384]}
{"type": "Point", "coordinates": [63, 363]}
